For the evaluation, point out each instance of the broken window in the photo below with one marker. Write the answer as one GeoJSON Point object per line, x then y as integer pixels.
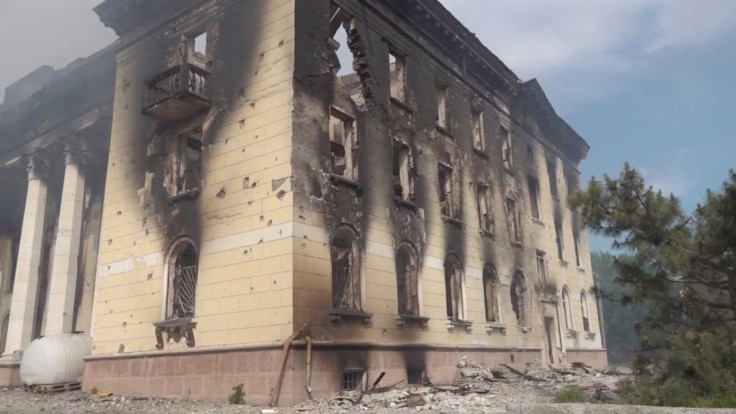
{"type": "Point", "coordinates": [552, 173]}
{"type": "Point", "coordinates": [490, 291]}
{"type": "Point", "coordinates": [402, 171]}
{"type": "Point", "coordinates": [407, 280]}
{"type": "Point", "coordinates": [397, 71]}
{"type": "Point", "coordinates": [442, 117]}
{"type": "Point", "coordinates": [185, 165]}
{"type": "Point", "coordinates": [576, 243]}
{"type": "Point", "coordinates": [345, 269]}
{"type": "Point", "coordinates": [507, 151]}
{"type": "Point", "coordinates": [518, 297]}
{"type": "Point", "coordinates": [193, 49]}
{"type": "Point", "coordinates": [571, 182]}
{"type": "Point", "coordinates": [479, 138]}
{"type": "Point", "coordinates": [485, 210]}
{"type": "Point", "coordinates": [558, 240]}
{"type": "Point", "coordinates": [445, 178]}
{"type": "Point", "coordinates": [343, 145]}
{"type": "Point", "coordinates": [584, 310]}
{"type": "Point", "coordinates": [514, 220]}
{"type": "Point", "coordinates": [534, 197]}
{"type": "Point", "coordinates": [182, 287]}
{"type": "Point", "coordinates": [454, 288]}
{"type": "Point", "coordinates": [353, 379]}
{"type": "Point", "coordinates": [542, 266]}
{"type": "Point", "coordinates": [567, 308]}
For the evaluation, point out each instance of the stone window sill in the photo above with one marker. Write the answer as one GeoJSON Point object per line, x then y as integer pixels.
{"type": "Point", "coordinates": [487, 233]}
{"type": "Point", "coordinates": [517, 244]}
{"type": "Point", "coordinates": [563, 263]}
{"type": "Point", "coordinates": [404, 320]}
{"type": "Point", "coordinates": [571, 333]}
{"type": "Point", "coordinates": [176, 329]}
{"type": "Point", "coordinates": [183, 196]}
{"type": "Point", "coordinates": [442, 130]}
{"type": "Point", "coordinates": [337, 315]}
{"type": "Point", "coordinates": [590, 335]}
{"type": "Point", "coordinates": [452, 220]}
{"type": "Point", "coordinates": [495, 327]}
{"type": "Point", "coordinates": [538, 221]}
{"type": "Point", "coordinates": [481, 153]}
{"type": "Point", "coordinates": [452, 323]}
{"type": "Point", "coordinates": [580, 269]}
{"type": "Point", "coordinates": [402, 202]}
{"type": "Point", "coordinates": [401, 104]}
{"type": "Point", "coordinates": [525, 329]}
{"type": "Point", "coordinates": [341, 180]}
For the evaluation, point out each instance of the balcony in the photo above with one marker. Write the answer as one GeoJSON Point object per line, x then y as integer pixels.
{"type": "Point", "coordinates": [177, 94]}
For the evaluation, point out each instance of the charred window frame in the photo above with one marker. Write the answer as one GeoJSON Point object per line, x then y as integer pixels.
{"type": "Point", "coordinates": [559, 241]}
{"type": "Point", "coordinates": [514, 220]}
{"type": "Point", "coordinates": [407, 280]}
{"type": "Point", "coordinates": [454, 289]}
{"type": "Point", "coordinates": [552, 174]}
{"type": "Point", "coordinates": [343, 145]}
{"type": "Point", "coordinates": [490, 293]}
{"type": "Point", "coordinates": [193, 48]}
{"type": "Point", "coordinates": [346, 269]}
{"type": "Point", "coordinates": [181, 294]}
{"type": "Point", "coordinates": [534, 197]}
{"type": "Point", "coordinates": [478, 130]}
{"type": "Point", "coordinates": [567, 308]}
{"type": "Point", "coordinates": [576, 245]}
{"type": "Point", "coordinates": [443, 115]}
{"type": "Point", "coordinates": [487, 221]}
{"type": "Point", "coordinates": [403, 171]}
{"type": "Point", "coordinates": [584, 311]}
{"type": "Point", "coordinates": [397, 74]}
{"type": "Point", "coordinates": [507, 150]}
{"type": "Point", "coordinates": [542, 266]}
{"type": "Point", "coordinates": [448, 199]}
{"type": "Point", "coordinates": [518, 293]}
{"type": "Point", "coordinates": [185, 175]}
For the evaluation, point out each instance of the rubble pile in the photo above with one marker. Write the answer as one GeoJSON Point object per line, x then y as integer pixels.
{"type": "Point", "coordinates": [477, 389]}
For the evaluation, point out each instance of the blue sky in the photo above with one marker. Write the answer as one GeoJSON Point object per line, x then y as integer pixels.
{"type": "Point", "coordinates": [645, 81]}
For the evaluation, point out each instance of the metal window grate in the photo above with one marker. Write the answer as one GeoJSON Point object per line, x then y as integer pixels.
{"type": "Point", "coordinates": [352, 379]}
{"type": "Point", "coordinates": [185, 288]}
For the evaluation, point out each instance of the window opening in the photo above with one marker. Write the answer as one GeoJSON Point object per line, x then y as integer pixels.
{"type": "Point", "coordinates": [183, 282]}
{"type": "Point", "coordinates": [584, 309]}
{"type": "Point", "coordinates": [397, 70]}
{"type": "Point", "coordinates": [445, 177]}
{"type": "Point", "coordinates": [415, 376]}
{"type": "Point", "coordinates": [352, 379]}
{"type": "Point", "coordinates": [402, 177]}
{"type": "Point", "coordinates": [514, 220]}
{"type": "Point", "coordinates": [185, 165]}
{"type": "Point", "coordinates": [407, 281]}
{"type": "Point", "coordinates": [534, 196]}
{"type": "Point", "coordinates": [529, 153]}
{"type": "Point", "coordinates": [343, 145]}
{"type": "Point", "coordinates": [576, 242]}
{"type": "Point", "coordinates": [490, 291]}
{"type": "Point", "coordinates": [542, 266]}
{"type": "Point", "coordinates": [442, 118]}
{"type": "Point", "coordinates": [479, 139]}
{"type": "Point", "coordinates": [518, 297]}
{"type": "Point", "coordinates": [558, 240]}
{"type": "Point", "coordinates": [566, 307]}
{"type": "Point", "coordinates": [485, 210]}
{"type": "Point", "coordinates": [454, 288]}
{"type": "Point", "coordinates": [345, 270]}
{"type": "Point", "coordinates": [552, 173]}
{"type": "Point", "coordinates": [506, 148]}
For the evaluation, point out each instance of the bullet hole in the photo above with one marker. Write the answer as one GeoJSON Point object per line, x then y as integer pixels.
{"type": "Point", "coordinates": [120, 213]}
{"type": "Point", "coordinates": [260, 56]}
{"type": "Point", "coordinates": [281, 43]}
{"type": "Point", "coordinates": [301, 209]}
{"type": "Point", "coordinates": [113, 164]}
{"type": "Point", "coordinates": [109, 242]}
{"type": "Point", "coordinates": [255, 183]}
{"type": "Point", "coordinates": [150, 276]}
{"type": "Point", "coordinates": [222, 193]}
{"type": "Point", "coordinates": [262, 218]}
{"type": "Point", "coordinates": [260, 241]}
{"type": "Point", "coordinates": [245, 252]}
{"type": "Point", "coordinates": [125, 324]}
{"type": "Point", "coordinates": [241, 123]}
{"type": "Point", "coordinates": [144, 221]}
{"type": "Point", "coordinates": [148, 232]}
{"type": "Point", "coordinates": [246, 182]}
{"type": "Point", "coordinates": [280, 194]}
{"type": "Point", "coordinates": [227, 140]}
{"type": "Point", "coordinates": [274, 281]}
{"type": "Point", "coordinates": [253, 104]}
{"type": "Point", "coordinates": [269, 222]}
{"type": "Point", "coordinates": [126, 106]}
{"type": "Point", "coordinates": [251, 288]}
{"type": "Point", "coordinates": [250, 202]}
{"type": "Point", "coordinates": [241, 92]}
{"type": "Point", "coordinates": [302, 217]}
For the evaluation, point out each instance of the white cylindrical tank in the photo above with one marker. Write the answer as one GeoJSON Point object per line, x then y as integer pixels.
{"type": "Point", "coordinates": [55, 359]}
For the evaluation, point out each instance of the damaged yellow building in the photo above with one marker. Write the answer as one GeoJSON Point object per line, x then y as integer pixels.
{"type": "Point", "coordinates": [359, 182]}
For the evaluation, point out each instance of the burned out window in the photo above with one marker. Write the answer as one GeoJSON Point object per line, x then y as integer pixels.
{"type": "Point", "coordinates": [534, 196]}
{"type": "Point", "coordinates": [448, 198]}
{"type": "Point", "coordinates": [490, 293]}
{"type": "Point", "coordinates": [345, 257]}
{"type": "Point", "coordinates": [454, 289]}
{"type": "Point", "coordinates": [542, 266]}
{"type": "Point", "coordinates": [403, 182]}
{"type": "Point", "coordinates": [485, 208]}
{"type": "Point", "coordinates": [343, 145]}
{"type": "Point", "coordinates": [552, 173]}
{"type": "Point", "coordinates": [407, 280]}
{"type": "Point", "coordinates": [571, 181]}
{"type": "Point", "coordinates": [576, 245]}
{"type": "Point", "coordinates": [442, 113]}
{"type": "Point", "coordinates": [514, 220]}
{"type": "Point", "coordinates": [397, 71]}
{"type": "Point", "coordinates": [507, 151]}
{"type": "Point", "coordinates": [567, 308]}
{"type": "Point", "coordinates": [193, 48]}
{"type": "Point", "coordinates": [558, 240]}
{"type": "Point", "coordinates": [182, 274]}
{"type": "Point", "coordinates": [584, 311]}
{"type": "Point", "coordinates": [519, 298]}
{"type": "Point", "coordinates": [184, 177]}
{"type": "Point", "coordinates": [479, 138]}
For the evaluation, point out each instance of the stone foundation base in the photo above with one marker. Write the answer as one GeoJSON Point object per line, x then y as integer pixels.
{"type": "Point", "coordinates": [596, 358]}
{"type": "Point", "coordinates": [211, 374]}
{"type": "Point", "coordinates": [10, 374]}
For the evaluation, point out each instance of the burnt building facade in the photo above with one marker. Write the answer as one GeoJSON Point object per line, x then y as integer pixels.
{"type": "Point", "coordinates": [303, 194]}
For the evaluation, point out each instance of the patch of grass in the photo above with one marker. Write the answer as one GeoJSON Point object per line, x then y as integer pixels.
{"type": "Point", "coordinates": [238, 395]}
{"type": "Point", "coordinates": [571, 395]}
{"type": "Point", "coordinates": [717, 401]}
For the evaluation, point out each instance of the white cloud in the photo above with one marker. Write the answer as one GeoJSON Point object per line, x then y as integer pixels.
{"type": "Point", "coordinates": [671, 171]}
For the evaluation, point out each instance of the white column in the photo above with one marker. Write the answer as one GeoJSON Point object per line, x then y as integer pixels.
{"type": "Point", "coordinates": [25, 288]}
{"type": "Point", "coordinates": [64, 272]}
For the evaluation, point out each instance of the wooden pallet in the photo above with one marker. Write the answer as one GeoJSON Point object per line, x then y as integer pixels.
{"type": "Point", "coordinates": [54, 388]}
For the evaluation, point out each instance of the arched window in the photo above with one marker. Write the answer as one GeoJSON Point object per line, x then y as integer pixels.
{"type": "Point", "coordinates": [345, 257]}
{"type": "Point", "coordinates": [584, 309]}
{"type": "Point", "coordinates": [566, 307]}
{"type": "Point", "coordinates": [518, 297]}
{"type": "Point", "coordinates": [454, 288]}
{"type": "Point", "coordinates": [407, 280]}
{"type": "Point", "coordinates": [182, 279]}
{"type": "Point", "coordinates": [490, 291]}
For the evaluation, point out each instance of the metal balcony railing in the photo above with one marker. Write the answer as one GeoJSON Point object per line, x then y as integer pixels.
{"type": "Point", "coordinates": [177, 93]}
